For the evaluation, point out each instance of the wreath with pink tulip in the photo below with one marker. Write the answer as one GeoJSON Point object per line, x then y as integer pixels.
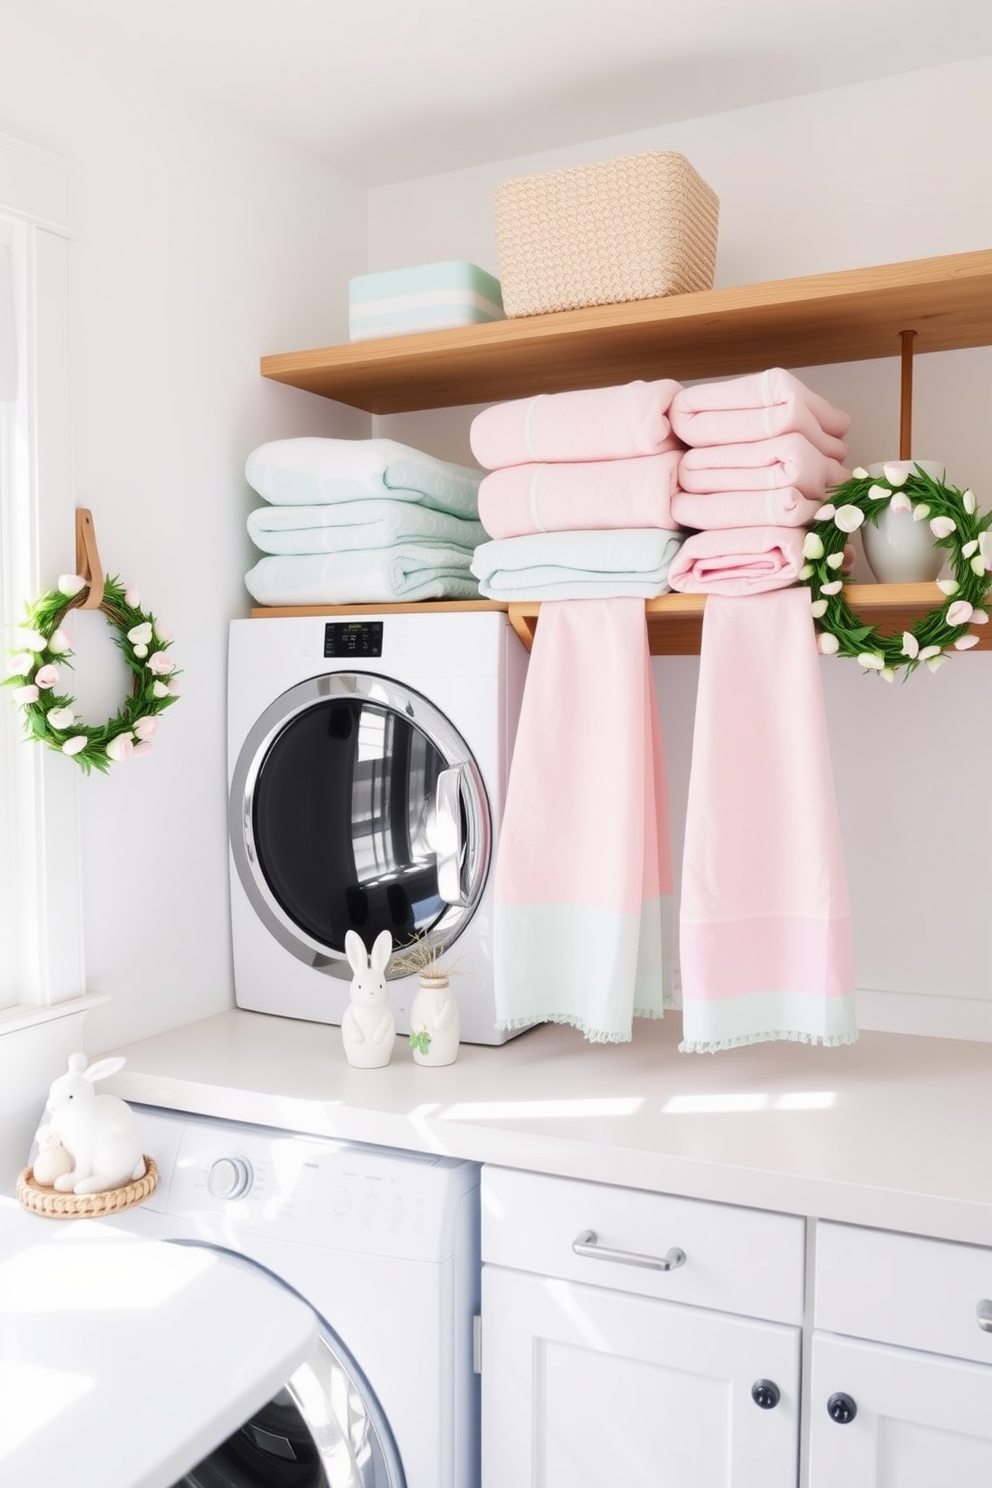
{"type": "Point", "coordinates": [35, 674]}
{"type": "Point", "coordinates": [956, 525]}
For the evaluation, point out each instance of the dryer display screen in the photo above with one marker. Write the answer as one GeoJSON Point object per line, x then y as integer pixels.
{"type": "Point", "coordinates": [353, 638]}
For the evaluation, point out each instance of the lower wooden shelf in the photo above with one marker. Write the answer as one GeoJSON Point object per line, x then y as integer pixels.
{"type": "Point", "coordinates": [674, 621]}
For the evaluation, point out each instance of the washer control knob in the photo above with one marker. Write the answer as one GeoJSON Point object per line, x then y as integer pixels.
{"type": "Point", "coordinates": [229, 1177]}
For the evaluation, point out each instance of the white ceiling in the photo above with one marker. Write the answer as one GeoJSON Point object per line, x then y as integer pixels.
{"type": "Point", "coordinates": [387, 90]}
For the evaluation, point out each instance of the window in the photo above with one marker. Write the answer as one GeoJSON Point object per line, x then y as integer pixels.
{"type": "Point", "coordinates": [41, 960]}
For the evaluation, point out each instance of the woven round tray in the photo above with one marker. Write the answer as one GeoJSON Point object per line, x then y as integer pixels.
{"type": "Point", "coordinates": [55, 1205]}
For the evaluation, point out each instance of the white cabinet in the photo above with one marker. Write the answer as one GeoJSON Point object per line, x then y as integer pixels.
{"type": "Point", "coordinates": [604, 1358]}
{"type": "Point", "coordinates": [923, 1421]}
{"type": "Point", "coordinates": [901, 1350]}
{"type": "Point", "coordinates": [639, 1339]}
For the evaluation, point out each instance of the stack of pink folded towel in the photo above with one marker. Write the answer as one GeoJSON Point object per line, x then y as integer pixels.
{"type": "Point", "coordinates": [578, 502]}
{"type": "Point", "coordinates": [762, 453]}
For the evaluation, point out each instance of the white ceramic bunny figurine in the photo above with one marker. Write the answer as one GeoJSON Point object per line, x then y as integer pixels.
{"type": "Point", "coordinates": [100, 1132]}
{"type": "Point", "coordinates": [368, 1028]}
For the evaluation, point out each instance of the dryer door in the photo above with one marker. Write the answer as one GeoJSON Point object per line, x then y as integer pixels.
{"type": "Point", "coordinates": [325, 1429]}
{"type": "Point", "coordinates": [357, 805]}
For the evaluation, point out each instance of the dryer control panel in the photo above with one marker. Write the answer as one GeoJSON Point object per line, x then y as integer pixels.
{"type": "Point", "coordinates": [313, 1191]}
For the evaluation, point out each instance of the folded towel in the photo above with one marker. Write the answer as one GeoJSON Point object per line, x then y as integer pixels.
{"type": "Point", "coordinates": [581, 923]}
{"type": "Point", "coordinates": [762, 465]}
{"type": "Point", "coordinates": [738, 560]}
{"type": "Point", "coordinates": [765, 945]}
{"type": "Point", "coordinates": [576, 565]}
{"type": "Point", "coordinates": [762, 405]}
{"type": "Point", "coordinates": [784, 507]}
{"type": "Point", "coordinates": [313, 472]}
{"type": "Point", "coordinates": [346, 525]}
{"type": "Point", "coordinates": [408, 571]}
{"type": "Point", "coordinates": [609, 423]}
{"type": "Point", "coordinates": [521, 499]}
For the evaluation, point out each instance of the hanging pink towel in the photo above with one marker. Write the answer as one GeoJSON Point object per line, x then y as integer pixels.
{"type": "Point", "coordinates": [523, 499]}
{"type": "Point", "coordinates": [762, 405]}
{"type": "Point", "coordinates": [581, 930]}
{"type": "Point", "coordinates": [738, 560]}
{"type": "Point", "coordinates": [785, 507]}
{"type": "Point", "coordinates": [765, 926]}
{"type": "Point", "coordinates": [610, 423]}
{"type": "Point", "coordinates": [761, 465]}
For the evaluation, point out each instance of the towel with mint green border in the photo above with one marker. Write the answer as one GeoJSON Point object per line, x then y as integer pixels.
{"type": "Point", "coordinates": [346, 525]}
{"type": "Point", "coordinates": [577, 565]}
{"type": "Point", "coordinates": [313, 471]}
{"type": "Point", "coordinates": [408, 571]}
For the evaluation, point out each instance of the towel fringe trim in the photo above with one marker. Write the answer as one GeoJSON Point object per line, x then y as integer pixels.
{"type": "Point", "coordinates": [594, 1035]}
{"type": "Point", "coordinates": [715, 1046]}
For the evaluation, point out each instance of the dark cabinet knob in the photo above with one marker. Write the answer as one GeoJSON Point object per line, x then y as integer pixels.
{"type": "Point", "coordinates": [841, 1408]}
{"type": "Point", "coordinates": [766, 1393]}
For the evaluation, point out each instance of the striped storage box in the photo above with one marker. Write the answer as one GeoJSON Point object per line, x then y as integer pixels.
{"type": "Point", "coordinates": [625, 229]}
{"type": "Point", "coordinates": [431, 297]}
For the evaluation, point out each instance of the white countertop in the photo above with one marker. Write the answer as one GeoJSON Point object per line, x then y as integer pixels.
{"type": "Point", "coordinates": [99, 1384]}
{"type": "Point", "coordinates": [892, 1131]}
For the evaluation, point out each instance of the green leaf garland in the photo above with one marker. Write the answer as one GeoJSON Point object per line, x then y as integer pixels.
{"type": "Point", "coordinates": [48, 710]}
{"type": "Point", "coordinates": [956, 524]}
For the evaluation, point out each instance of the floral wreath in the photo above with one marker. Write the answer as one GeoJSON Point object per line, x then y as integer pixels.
{"type": "Point", "coordinates": [956, 525]}
{"type": "Point", "coordinates": [35, 674]}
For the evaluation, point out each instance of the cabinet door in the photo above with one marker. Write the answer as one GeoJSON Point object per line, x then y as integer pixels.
{"type": "Point", "coordinates": [923, 1421]}
{"type": "Point", "coordinates": [587, 1388]}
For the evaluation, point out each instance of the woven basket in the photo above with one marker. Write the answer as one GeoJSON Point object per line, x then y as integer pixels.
{"type": "Point", "coordinates": [625, 229]}
{"type": "Point", "coordinates": [54, 1205]}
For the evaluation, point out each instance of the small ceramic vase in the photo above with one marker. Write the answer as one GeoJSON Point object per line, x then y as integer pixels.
{"type": "Point", "coordinates": [899, 550]}
{"type": "Point", "coordinates": [434, 1023]}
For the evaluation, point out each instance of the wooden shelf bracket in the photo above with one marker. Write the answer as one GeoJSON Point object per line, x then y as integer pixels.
{"type": "Point", "coordinates": [906, 396]}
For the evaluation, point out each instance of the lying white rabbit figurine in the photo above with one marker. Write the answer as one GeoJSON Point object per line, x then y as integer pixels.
{"type": "Point", "coordinates": [100, 1132]}
{"type": "Point", "coordinates": [368, 1028]}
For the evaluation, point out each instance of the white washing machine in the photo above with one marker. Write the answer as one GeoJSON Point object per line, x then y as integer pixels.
{"type": "Point", "coordinates": [384, 1247]}
{"type": "Point", "coordinates": [368, 757]}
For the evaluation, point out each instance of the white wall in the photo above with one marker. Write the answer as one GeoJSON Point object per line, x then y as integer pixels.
{"type": "Point", "coordinates": [203, 246]}
{"type": "Point", "coordinates": [873, 174]}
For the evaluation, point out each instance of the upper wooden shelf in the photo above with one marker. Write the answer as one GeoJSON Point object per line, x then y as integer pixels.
{"type": "Point", "coordinates": [674, 621]}
{"type": "Point", "coordinates": [848, 316]}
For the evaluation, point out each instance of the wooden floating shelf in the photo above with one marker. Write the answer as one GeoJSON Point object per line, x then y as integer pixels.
{"type": "Point", "coordinates": [674, 621]}
{"type": "Point", "coordinates": [840, 317]}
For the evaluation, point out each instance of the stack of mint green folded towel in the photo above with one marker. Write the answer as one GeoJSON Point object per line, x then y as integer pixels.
{"type": "Point", "coordinates": [361, 521]}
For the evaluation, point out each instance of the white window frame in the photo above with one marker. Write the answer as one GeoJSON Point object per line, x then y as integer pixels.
{"type": "Point", "coordinates": [41, 918]}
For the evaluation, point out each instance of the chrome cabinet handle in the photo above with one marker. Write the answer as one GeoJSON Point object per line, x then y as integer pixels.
{"type": "Point", "coordinates": [984, 1313]}
{"type": "Point", "coordinates": [587, 1244]}
{"type": "Point", "coordinates": [448, 835]}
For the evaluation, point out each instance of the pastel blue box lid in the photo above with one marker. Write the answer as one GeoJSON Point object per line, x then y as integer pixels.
{"type": "Point", "coordinates": [429, 297]}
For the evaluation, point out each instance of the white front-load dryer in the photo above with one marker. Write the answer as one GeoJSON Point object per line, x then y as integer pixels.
{"type": "Point", "coordinates": [368, 756]}
{"type": "Point", "coordinates": [383, 1246]}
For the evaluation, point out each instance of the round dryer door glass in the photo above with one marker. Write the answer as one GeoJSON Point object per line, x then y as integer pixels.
{"type": "Point", "coordinates": [356, 805]}
{"type": "Point", "coordinates": [323, 1430]}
